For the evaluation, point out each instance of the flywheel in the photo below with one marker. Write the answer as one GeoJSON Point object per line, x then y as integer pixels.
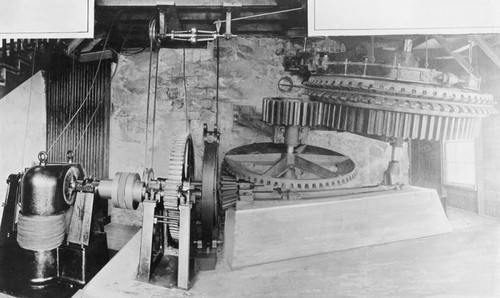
{"type": "Point", "coordinates": [210, 195]}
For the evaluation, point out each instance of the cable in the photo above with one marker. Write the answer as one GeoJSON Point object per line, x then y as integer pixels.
{"type": "Point", "coordinates": [217, 86]}
{"type": "Point", "coordinates": [154, 110]}
{"type": "Point", "coordinates": [152, 25]}
{"type": "Point", "coordinates": [29, 105]}
{"type": "Point", "coordinates": [426, 53]}
{"type": "Point", "coordinates": [86, 127]}
{"type": "Point", "coordinates": [97, 108]}
{"type": "Point", "coordinates": [261, 15]}
{"type": "Point", "coordinates": [188, 128]}
{"type": "Point", "coordinates": [91, 87]}
{"type": "Point", "coordinates": [140, 50]}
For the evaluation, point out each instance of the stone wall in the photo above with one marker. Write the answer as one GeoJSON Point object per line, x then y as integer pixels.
{"type": "Point", "coordinates": [249, 71]}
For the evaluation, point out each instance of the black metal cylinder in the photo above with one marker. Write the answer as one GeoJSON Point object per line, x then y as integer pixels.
{"type": "Point", "coordinates": [42, 190]}
{"type": "Point", "coordinates": [45, 193]}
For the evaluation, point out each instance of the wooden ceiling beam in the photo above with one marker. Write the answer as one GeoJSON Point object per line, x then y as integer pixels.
{"type": "Point", "coordinates": [448, 48]}
{"type": "Point", "coordinates": [485, 47]}
{"type": "Point", "coordinates": [195, 3]}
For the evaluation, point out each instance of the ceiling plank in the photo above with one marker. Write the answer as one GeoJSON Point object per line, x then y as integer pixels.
{"type": "Point", "coordinates": [184, 2]}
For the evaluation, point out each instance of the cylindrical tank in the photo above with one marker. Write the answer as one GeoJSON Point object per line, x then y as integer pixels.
{"type": "Point", "coordinates": [46, 194]}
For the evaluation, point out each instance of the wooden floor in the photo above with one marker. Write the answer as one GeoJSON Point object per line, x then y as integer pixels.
{"type": "Point", "coordinates": [463, 263]}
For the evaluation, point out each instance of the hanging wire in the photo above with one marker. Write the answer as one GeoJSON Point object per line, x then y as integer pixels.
{"type": "Point", "coordinates": [261, 15]}
{"type": "Point", "coordinates": [471, 49]}
{"type": "Point", "coordinates": [372, 50]}
{"type": "Point", "coordinates": [154, 110]}
{"type": "Point", "coordinates": [217, 85]}
{"type": "Point", "coordinates": [152, 27]}
{"type": "Point", "coordinates": [426, 53]}
{"type": "Point", "coordinates": [91, 87]}
{"type": "Point", "coordinates": [96, 109]}
{"type": "Point", "coordinates": [476, 67]}
{"type": "Point", "coordinates": [29, 104]}
{"type": "Point", "coordinates": [87, 126]}
{"type": "Point", "coordinates": [188, 124]}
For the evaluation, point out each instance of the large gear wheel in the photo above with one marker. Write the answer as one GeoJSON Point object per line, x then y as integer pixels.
{"type": "Point", "coordinates": [180, 171]}
{"type": "Point", "coordinates": [397, 109]}
{"type": "Point", "coordinates": [308, 168]}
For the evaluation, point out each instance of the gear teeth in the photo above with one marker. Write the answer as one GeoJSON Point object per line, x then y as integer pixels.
{"type": "Point", "coordinates": [173, 184]}
{"type": "Point", "coordinates": [385, 108]}
{"type": "Point", "coordinates": [229, 190]}
{"type": "Point", "coordinates": [291, 184]}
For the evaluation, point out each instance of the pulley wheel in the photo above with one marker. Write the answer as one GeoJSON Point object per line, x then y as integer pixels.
{"type": "Point", "coordinates": [209, 201]}
{"type": "Point", "coordinates": [127, 190]}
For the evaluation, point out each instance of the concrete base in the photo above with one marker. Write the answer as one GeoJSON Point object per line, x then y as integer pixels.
{"type": "Point", "coordinates": [261, 232]}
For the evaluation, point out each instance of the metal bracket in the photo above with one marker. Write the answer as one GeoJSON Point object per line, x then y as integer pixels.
{"type": "Point", "coordinates": [193, 35]}
{"type": "Point", "coordinates": [81, 219]}
{"type": "Point", "coordinates": [210, 136]}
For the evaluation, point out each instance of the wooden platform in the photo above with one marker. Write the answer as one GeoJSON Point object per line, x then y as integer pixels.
{"type": "Point", "coordinates": [261, 232]}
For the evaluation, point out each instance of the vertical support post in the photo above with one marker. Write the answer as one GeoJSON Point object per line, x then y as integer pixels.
{"type": "Point", "coordinates": [480, 161]}
{"type": "Point", "coordinates": [184, 246]}
{"type": "Point", "coordinates": [291, 137]}
{"type": "Point", "coordinates": [393, 175]}
{"type": "Point", "coordinates": [145, 259]}
{"type": "Point", "coordinates": [228, 23]}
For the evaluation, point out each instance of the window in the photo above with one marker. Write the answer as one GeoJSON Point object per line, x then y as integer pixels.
{"type": "Point", "coordinates": [460, 163]}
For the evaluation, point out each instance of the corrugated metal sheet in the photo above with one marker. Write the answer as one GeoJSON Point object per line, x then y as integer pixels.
{"type": "Point", "coordinates": [67, 89]}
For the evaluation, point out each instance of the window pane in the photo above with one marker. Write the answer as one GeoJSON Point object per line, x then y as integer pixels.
{"type": "Point", "coordinates": [461, 151]}
{"type": "Point", "coordinates": [461, 176]}
{"type": "Point", "coordinates": [460, 163]}
{"type": "Point", "coordinates": [470, 153]}
{"type": "Point", "coordinates": [451, 172]}
{"type": "Point", "coordinates": [470, 174]}
{"type": "Point", "coordinates": [450, 152]}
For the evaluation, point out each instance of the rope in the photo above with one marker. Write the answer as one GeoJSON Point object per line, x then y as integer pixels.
{"type": "Point", "coordinates": [261, 15]}
{"type": "Point", "coordinates": [152, 25]}
{"type": "Point", "coordinates": [217, 86]}
{"type": "Point", "coordinates": [96, 109]}
{"type": "Point", "coordinates": [185, 90]}
{"type": "Point", "coordinates": [91, 87]}
{"type": "Point", "coordinates": [35, 232]}
{"type": "Point", "coordinates": [154, 110]}
{"type": "Point", "coordinates": [29, 105]}
{"type": "Point", "coordinates": [426, 53]}
{"type": "Point", "coordinates": [86, 127]}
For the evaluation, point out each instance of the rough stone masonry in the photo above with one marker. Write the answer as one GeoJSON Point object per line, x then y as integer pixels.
{"type": "Point", "coordinates": [249, 71]}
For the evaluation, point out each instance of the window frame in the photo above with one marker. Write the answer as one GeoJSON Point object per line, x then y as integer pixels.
{"type": "Point", "coordinates": [445, 161]}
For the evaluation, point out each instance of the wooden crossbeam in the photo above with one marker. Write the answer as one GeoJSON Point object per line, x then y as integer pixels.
{"type": "Point", "coordinates": [448, 48]}
{"type": "Point", "coordinates": [485, 47]}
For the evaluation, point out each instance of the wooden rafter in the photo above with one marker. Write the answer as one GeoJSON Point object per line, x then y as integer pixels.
{"type": "Point", "coordinates": [485, 47]}
{"type": "Point", "coordinates": [448, 48]}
